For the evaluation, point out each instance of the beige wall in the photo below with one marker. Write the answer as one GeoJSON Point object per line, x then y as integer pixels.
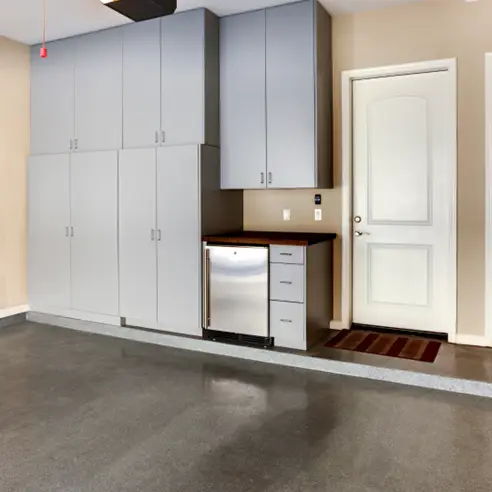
{"type": "Point", "coordinates": [414, 32]}
{"type": "Point", "coordinates": [14, 148]}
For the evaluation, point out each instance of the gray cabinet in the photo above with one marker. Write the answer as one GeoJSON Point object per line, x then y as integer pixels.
{"type": "Point", "coordinates": [72, 230]}
{"type": "Point", "coordinates": [52, 98]}
{"type": "Point", "coordinates": [189, 78]}
{"type": "Point", "coordinates": [48, 232]}
{"type": "Point", "coordinates": [94, 217]}
{"type": "Point", "coordinates": [294, 130]}
{"type": "Point", "coordinates": [98, 91]}
{"type": "Point", "coordinates": [243, 100]}
{"type": "Point", "coordinates": [142, 84]}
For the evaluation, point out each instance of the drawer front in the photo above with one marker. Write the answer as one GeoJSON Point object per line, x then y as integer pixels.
{"type": "Point", "coordinates": [287, 254]}
{"type": "Point", "coordinates": [287, 323]}
{"type": "Point", "coordinates": [286, 282]}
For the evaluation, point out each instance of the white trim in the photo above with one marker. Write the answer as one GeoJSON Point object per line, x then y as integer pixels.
{"type": "Point", "coordinates": [348, 77]}
{"type": "Point", "coordinates": [338, 325]}
{"type": "Point", "coordinates": [476, 340]}
{"type": "Point", "coordinates": [4, 313]}
{"type": "Point", "coordinates": [488, 198]}
{"type": "Point", "coordinates": [77, 315]}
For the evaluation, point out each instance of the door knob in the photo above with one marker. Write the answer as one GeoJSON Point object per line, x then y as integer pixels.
{"type": "Point", "coordinates": [357, 219]}
{"type": "Point", "coordinates": [359, 233]}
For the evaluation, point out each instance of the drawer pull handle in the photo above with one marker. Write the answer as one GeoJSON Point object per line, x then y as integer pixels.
{"type": "Point", "coordinates": [286, 320]}
{"type": "Point", "coordinates": [286, 282]}
{"type": "Point", "coordinates": [285, 254]}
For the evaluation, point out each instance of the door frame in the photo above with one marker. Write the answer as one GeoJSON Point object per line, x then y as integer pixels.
{"type": "Point", "coordinates": [488, 200]}
{"type": "Point", "coordinates": [347, 79]}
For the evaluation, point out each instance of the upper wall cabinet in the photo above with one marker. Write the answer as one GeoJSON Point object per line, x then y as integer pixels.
{"type": "Point", "coordinates": [293, 129]}
{"type": "Point", "coordinates": [140, 85]}
{"type": "Point", "coordinates": [52, 98]}
{"type": "Point", "coordinates": [171, 81]}
{"type": "Point", "coordinates": [98, 91]}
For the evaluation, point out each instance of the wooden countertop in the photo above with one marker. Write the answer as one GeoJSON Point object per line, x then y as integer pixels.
{"type": "Point", "coordinates": [265, 238]}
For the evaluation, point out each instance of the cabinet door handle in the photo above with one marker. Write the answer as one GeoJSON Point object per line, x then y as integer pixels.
{"type": "Point", "coordinates": [152, 234]}
{"type": "Point", "coordinates": [159, 235]}
{"type": "Point", "coordinates": [285, 254]}
{"type": "Point", "coordinates": [206, 288]}
{"type": "Point", "coordinates": [163, 136]}
{"type": "Point", "coordinates": [286, 282]}
{"type": "Point", "coordinates": [71, 231]}
{"type": "Point", "coordinates": [76, 144]}
{"type": "Point", "coordinates": [71, 144]}
{"type": "Point", "coordinates": [156, 136]}
{"type": "Point", "coordinates": [270, 178]}
{"type": "Point", "coordinates": [286, 320]}
{"type": "Point", "coordinates": [262, 178]}
{"type": "Point", "coordinates": [67, 231]}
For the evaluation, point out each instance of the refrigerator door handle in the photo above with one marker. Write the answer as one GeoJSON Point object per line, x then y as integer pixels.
{"type": "Point", "coordinates": [206, 288]}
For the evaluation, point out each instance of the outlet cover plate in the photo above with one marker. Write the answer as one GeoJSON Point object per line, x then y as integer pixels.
{"type": "Point", "coordinates": [286, 214]}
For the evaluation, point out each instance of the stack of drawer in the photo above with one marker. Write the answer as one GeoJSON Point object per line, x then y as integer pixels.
{"type": "Point", "coordinates": [288, 296]}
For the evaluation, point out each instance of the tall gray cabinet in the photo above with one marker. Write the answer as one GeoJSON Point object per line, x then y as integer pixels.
{"type": "Point", "coordinates": [152, 89]}
{"type": "Point", "coordinates": [276, 107]}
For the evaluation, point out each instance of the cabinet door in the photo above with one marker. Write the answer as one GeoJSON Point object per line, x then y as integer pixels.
{"type": "Point", "coordinates": [141, 84]}
{"type": "Point", "coordinates": [94, 204]}
{"type": "Point", "coordinates": [138, 253]}
{"type": "Point", "coordinates": [48, 232]}
{"type": "Point", "coordinates": [183, 43]}
{"type": "Point", "coordinates": [52, 98]}
{"type": "Point", "coordinates": [242, 96]}
{"type": "Point", "coordinates": [291, 96]}
{"type": "Point", "coordinates": [179, 245]}
{"type": "Point", "coordinates": [98, 91]}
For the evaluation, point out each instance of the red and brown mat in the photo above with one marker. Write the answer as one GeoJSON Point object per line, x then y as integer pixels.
{"type": "Point", "coordinates": [387, 344]}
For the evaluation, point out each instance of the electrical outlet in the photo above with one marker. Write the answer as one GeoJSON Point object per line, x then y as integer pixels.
{"type": "Point", "coordinates": [318, 214]}
{"type": "Point", "coordinates": [286, 214]}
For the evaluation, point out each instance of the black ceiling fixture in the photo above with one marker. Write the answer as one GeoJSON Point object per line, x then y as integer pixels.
{"type": "Point", "coordinates": [139, 10]}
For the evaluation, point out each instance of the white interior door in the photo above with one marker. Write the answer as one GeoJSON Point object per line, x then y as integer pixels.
{"type": "Point", "coordinates": [138, 252]}
{"type": "Point", "coordinates": [94, 202]}
{"type": "Point", "coordinates": [49, 241]}
{"type": "Point", "coordinates": [403, 261]}
{"type": "Point", "coordinates": [179, 239]}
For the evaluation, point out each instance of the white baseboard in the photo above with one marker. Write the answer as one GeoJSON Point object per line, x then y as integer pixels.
{"type": "Point", "coordinates": [78, 315]}
{"type": "Point", "coordinates": [476, 340]}
{"type": "Point", "coordinates": [4, 313]}
{"type": "Point", "coordinates": [339, 325]}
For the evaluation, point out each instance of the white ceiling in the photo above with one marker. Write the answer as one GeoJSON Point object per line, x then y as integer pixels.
{"type": "Point", "coordinates": [22, 19]}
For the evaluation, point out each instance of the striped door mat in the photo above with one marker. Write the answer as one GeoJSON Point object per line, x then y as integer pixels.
{"type": "Point", "coordinates": [386, 344]}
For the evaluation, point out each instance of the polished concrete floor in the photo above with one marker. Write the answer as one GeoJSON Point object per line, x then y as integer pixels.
{"type": "Point", "coordinates": [82, 413]}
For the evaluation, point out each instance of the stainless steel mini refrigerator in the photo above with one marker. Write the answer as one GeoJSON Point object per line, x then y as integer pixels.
{"type": "Point", "coordinates": [236, 290]}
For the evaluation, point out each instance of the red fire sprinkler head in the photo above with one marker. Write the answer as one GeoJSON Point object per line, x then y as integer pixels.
{"type": "Point", "coordinates": [43, 52]}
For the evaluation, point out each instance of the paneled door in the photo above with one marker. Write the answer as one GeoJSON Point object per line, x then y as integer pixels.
{"type": "Point", "coordinates": [94, 209]}
{"type": "Point", "coordinates": [403, 262]}
{"type": "Point", "coordinates": [179, 239]}
{"type": "Point", "coordinates": [138, 236]}
{"type": "Point", "coordinates": [49, 231]}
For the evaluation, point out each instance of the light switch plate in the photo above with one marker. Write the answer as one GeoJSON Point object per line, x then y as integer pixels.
{"type": "Point", "coordinates": [286, 214]}
{"type": "Point", "coordinates": [318, 214]}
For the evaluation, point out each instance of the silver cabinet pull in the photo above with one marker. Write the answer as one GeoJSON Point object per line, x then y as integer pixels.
{"type": "Point", "coordinates": [270, 178]}
{"type": "Point", "coordinates": [286, 282]}
{"type": "Point", "coordinates": [163, 136]}
{"type": "Point", "coordinates": [71, 144]}
{"type": "Point", "coordinates": [286, 320]}
{"type": "Point", "coordinates": [152, 234]}
{"type": "Point", "coordinates": [285, 254]}
{"type": "Point", "coordinates": [71, 231]}
{"type": "Point", "coordinates": [159, 235]}
{"type": "Point", "coordinates": [67, 231]}
{"type": "Point", "coordinates": [262, 178]}
{"type": "Point", "coordinates": [156, 136]}
{"type": "Point", "coordinates": [76, 143]}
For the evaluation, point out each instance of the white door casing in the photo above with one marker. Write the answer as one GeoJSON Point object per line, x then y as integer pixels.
{"type": "Point", "coordinates": [404, 165]}
{"type": "Point", "coordinates": [488, 200]}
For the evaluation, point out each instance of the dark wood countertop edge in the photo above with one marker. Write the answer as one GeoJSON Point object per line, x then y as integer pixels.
{"type": "Point", "coordinates": [262, 240]}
